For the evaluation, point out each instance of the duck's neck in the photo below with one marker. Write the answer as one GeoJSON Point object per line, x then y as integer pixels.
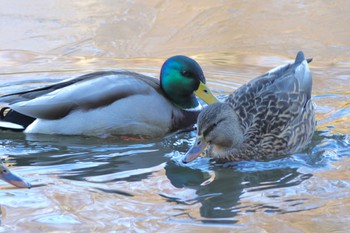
{"type": "Point", "coordinates": [189, 102]}
{"type": "Point", "coordinates": [181, 95]}
{"type": "Point", "coordinates": [230, 139]}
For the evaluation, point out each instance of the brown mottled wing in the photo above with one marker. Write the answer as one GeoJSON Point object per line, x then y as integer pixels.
{"type": "Point", "coordinates": [273, 108]}
{"type": "Point", "coordinates": [303, 128]}
{"type": "Point", "coordinates": [263, 112]}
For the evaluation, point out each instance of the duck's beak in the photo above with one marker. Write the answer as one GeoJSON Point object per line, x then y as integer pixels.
{"type": "Point", "coordinates": [205, 94]}
{"type": "Point", "coordinates": [196, 149]}
{"type": "Point", "coordinates": [9, 177]}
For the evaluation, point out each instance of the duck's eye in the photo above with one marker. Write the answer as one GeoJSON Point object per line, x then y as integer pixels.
{"type": "Point", "coordinates": [186, 73]}
{"type": "Point", "coordinates": [218, 122]}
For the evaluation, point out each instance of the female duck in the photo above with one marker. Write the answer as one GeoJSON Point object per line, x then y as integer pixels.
{"type": "Point", "coordinates": [270, 116]}
{"type": "Point", "coordinates": [112, 102]}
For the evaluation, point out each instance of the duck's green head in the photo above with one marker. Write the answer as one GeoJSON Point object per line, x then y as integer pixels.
{"type": "Point", "coordinates": [181, 78]}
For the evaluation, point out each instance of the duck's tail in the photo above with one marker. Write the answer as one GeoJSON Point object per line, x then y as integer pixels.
{"type": "Point", "coordinates": [293, 77]}
{"type": "Point", "coordinates": [300, 58]}
{"type": "Point", "coordinates": [12, 120]}
{"type": "Point", "coordinates": [302, 73]}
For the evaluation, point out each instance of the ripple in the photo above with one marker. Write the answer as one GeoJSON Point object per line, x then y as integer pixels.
{"type": "Point", "coordinates": [84, 184]}
{"type": "Point", "coordinates": [126, 174]}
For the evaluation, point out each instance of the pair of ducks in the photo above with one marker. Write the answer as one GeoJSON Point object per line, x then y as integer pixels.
{"type": "Point", "coordinates": [269, 116]}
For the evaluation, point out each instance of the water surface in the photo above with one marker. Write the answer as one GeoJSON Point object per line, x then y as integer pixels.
{"type": "Point", "coordinates": [87, 184]}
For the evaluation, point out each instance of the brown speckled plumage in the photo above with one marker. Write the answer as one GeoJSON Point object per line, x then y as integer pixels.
{"type": "Point", "coordinates": [273, 116]}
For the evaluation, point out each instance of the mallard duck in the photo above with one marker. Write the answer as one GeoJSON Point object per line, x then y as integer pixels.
{"type": "Point", "coordinates": [112, 103]}
{"type": "Point", "coordinates": [270, 116]}
{"type": "Point", "coordinates": [7, 176]}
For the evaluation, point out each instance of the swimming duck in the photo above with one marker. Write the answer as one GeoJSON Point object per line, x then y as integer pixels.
{"type": "Point", "coordinates": [270, 116]}
{"type": "Point", "coordinates": [112, 103]}
{"type": "Point", "coordinates": [7, 176]}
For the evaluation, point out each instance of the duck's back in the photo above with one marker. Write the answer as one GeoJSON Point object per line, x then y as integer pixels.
{"type": "Point", "coordinates": [275, 110]}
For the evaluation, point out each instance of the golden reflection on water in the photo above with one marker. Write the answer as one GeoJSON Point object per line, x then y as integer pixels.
{"type": "Point", "coordinates": [234, 41]}
{"type": "Point", "coordinates": [326, 206]}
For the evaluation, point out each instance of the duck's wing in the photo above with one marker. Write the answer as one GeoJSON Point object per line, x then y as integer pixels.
{"type": "Point", "coordinates": [86, 92]}
{"type": "Point", "coordinates": [294, 77]}
{"type": "Point", "coordinates": [268, 103]}
{"type": "Point", "coordinates": [34, 93]}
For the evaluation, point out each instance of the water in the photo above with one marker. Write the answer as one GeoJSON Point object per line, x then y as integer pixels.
{"type": "Point", "coordinates": [87, 184]}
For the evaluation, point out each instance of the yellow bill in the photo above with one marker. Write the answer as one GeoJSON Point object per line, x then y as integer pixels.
{"type": "Point", "coordinates": [203, 92]}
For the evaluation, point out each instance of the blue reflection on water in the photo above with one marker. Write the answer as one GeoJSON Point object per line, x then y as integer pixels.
{"type": "Point", "coordinates": [218, 187]}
